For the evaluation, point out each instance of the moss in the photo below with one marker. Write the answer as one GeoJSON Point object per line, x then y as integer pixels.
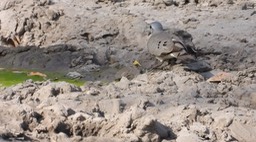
{"type": "Point", "coordinates": [11, 77]}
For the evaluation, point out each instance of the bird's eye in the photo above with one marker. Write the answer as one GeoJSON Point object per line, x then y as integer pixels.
{"type": "Point", "coordinates": [151, 28]}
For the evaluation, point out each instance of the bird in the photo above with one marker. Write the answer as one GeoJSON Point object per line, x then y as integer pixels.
{"type": "Point", "coordinates": [165, 45]}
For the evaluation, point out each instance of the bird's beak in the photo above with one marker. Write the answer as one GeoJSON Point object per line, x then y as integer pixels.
{"type": "Point", "coordinates": [149, 30]}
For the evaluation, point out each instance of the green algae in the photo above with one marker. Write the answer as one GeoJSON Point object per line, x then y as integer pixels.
{"type": "Point", "coordinates": [13, 77]}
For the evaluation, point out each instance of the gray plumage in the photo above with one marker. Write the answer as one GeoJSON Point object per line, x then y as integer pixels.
{"type": "Point", "coordinates": [165, 45]}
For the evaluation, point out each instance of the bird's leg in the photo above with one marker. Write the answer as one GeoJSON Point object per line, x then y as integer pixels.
{"type": "Point", "coordinates": [172, 61]}
{"type": "Point", "coordinates": [161, 59]}
{"type": "Point", "coordinates": [170, 56]}
{"type": "Point", "coordinates": [160, 65]}
{"type": "Point", "coordinates": [165, 60]}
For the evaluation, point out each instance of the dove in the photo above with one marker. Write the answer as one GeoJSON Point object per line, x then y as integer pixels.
{"type": "Point", "coordinates": [165, 45]}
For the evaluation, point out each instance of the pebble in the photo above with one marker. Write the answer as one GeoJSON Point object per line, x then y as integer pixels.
{"type": "Point", "coordinates": [168, 2]}
{"type": "Point", "coordinates": [253, 13]}
{"type": "Point", "coordinates": [74, 75]}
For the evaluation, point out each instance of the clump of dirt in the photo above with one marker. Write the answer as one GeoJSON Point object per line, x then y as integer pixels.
{"type": "Point", "coordinates": [167, 109]}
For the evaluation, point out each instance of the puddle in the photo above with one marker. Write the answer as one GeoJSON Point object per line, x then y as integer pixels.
{"type": "Point", "coordinates": [10, 77]}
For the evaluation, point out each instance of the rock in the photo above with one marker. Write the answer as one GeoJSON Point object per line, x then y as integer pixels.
{"type": "Point", "coordinates": [5, 4]}
{"type": "Point", "coordinates": [190, 20]}
{"type": "Point", "coordinates": [102, 56]}
{"type": "Point", "coordinates": [18, 115]}
{"type": "Point", "coordinates": [220, 77]}
{"type": "Point", "coordinates": [123, 83]}
{"type": "Point", "coordinates": [149, 127]}
{"type": "Point", "coordinates": [163, 131]}
{"type": "Point", "coordinates": [60, 137]}
{"type": "Point", "coordinates": [253, 13]}
{"type": "Point", "coordinates": [52, 15]}
{"type": "Point", "coordinates": [180, 2]}
{"type": "Point", "coordinates": [74, 75]}
{"type": "Point", "coordinates": [224, 88]}
{"type": "Point", "coordinates": [92, 91]}
{"type": "Point", "coordinates": [221, 122]}
{"type": "Point", "coordinates": [103, 139]}
{"type": "Point", "coordinates": [157, 2]}
{"type": "Point", "coordinates": [112, 107]}
{"type": "Point", "coordinates": [243, 132]}
{"type": "Point", "coordinates": [246, 96]}
{"type": "Point", "coordinates": [55, 89]}
{"type": "Point", "coordinates": [128, 72]}
{"type": "Point", "coordinates": [168, 2]}
{"type": "Point", "coordinates": [247, 5]}
{"type": "Point", "coordinates": [90, 68]}
{"type": "Point", "coordinates": [79, 116]}
{"type": "Point", "coordinates": [184, 135]}
{"type": "Point", "coordinates": [54, 58]}
{"type": "Point", "coordinates": [201, 130]}
{"type": "Point", "coordinates": [207, 90]}
{"type": "Point", "coordinates": [230, 2]}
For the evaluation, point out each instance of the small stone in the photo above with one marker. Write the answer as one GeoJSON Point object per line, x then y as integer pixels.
{"type": "Point", "coordinates": [190, 20]}
{"type": "Point", "coordinates": [213, 5]}
{"type": "Point", "coordinates": [52, 15]}
{"type": "Point", "coordinates": [184, 135]}
{"type": "Point", "coordinates": [74, 75]}
{"type": "Point", "coordinates": [244, 40]}
{"type": "Point", "coordinates": [54, 89]}
{"type": "Point", "coordinates": [251, 75]}
{"type": "Point", "coordinates": [223, 88]}
{"type": "Point", "coordinates": [90, 68]}
{"type": "Point", "coordinates": [254, 12]}
{"type": "Point", "coordinates": [168, 2]}
{"type": "Point", "coordinates": [243, 132]}
{"type": "Point", "coordinates": [180, 2]}
{"type": "Point", "coordinates": [221, 122]}
{"type": "Point", "coordinates": [123, 83]}
{"type": "Point", "coordinates": [247, 6]}
{"type": "Point", "coordinates": [230, 2]}
{"type": "Point", "coordinates": [199, 129]}
{"type": "Point", "coordinates": [157, 2]}
{"type": "Point", "coordinates": [162, 130]}
{"type": "Point", "coordinates": [93, 92]}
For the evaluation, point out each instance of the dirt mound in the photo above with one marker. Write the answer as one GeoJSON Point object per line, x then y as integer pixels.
{"type": "Point", "coordinates": [128, 111]}
{"type": "Point", "coordinates": [55, 58]}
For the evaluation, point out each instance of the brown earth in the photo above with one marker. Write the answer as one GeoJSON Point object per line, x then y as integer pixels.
{"type": "Point", "coordinates": [100, 40]}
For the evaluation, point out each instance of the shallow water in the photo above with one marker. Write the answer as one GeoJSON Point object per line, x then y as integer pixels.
{"type": "Point", "coordinates": [9, 77]}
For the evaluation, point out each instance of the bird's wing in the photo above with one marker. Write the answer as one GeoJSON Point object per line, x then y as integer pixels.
{"type": "Point", "coordinates": [159, 44]}
{"type": "Point", "coordinates": [181, 34]}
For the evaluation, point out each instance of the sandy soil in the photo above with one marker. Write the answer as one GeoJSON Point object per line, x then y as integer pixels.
{"type": "Point", "coordinates": [100, 40]}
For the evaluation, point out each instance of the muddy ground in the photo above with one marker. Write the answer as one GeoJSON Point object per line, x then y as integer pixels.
{"type": "Point", "coordinates": [120, 101]}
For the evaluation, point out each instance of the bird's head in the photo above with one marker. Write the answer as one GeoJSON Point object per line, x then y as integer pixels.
{"type": "Point", "coordinates": [156, 27]}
